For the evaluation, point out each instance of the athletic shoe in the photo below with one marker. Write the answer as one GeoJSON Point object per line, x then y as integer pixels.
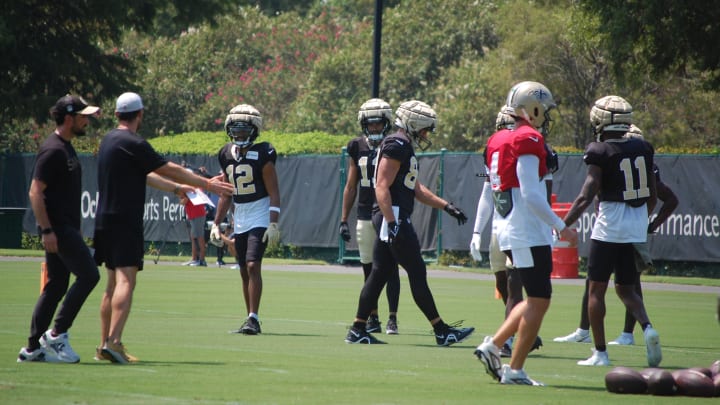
{"type": "Point", "coordinates": [373, 324]}
{"type": "Point", "coordinates": [652, 344]}
{"type": "Point", "coordinates": [251, 326]}
{"type": "Point", "coordinates": [391, 327]}
{"type": "Point", "coordinates": [517, 377]}
{"type": "Point", "coordinates": [37, 355]}
{"type": "Point", "coordinates": [579, 336]}
{"type": "Point", "coordinates": [355, 336]}
{"type": "Point", "coordinates": [597, 359]}
{"type": "Point", "coordinates": [537, 344]}
{"type": "Point", "coordinates": [625, 339]}
{"type": "Point", "coordinates": [489, 355]}
{"type": "Point", "coordinates": [505, 350]}
{"type": "Point", "coordinates": [101, 356]}
{"type": "Point", "coordinates": [235, 267]}
{"type": "Point", "coordinates": [190, 263]}
{"type": "Point", "coordinates": [199, 263]}
{"type": "Point", "coordinates": [451, 335]}
{"type": "Point", "coordinates": [59, 346]}
{"type": "Point", "coordinates": [220, 263]}
{"type": "Point", "coordinates": [116, 352]}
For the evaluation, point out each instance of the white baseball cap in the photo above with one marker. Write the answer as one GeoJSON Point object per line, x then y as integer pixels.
{"type": "Point", "coordinates": [128, 102]}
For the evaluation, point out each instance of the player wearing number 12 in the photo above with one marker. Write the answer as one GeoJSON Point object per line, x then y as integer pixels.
{"type": "Point", "coordinates": [250, 168]}
{"type": "Point", "coordinates": [620, 175]}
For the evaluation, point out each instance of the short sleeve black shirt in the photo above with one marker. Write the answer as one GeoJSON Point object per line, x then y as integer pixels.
{"type": "Point", "coordinates": [57, 165]}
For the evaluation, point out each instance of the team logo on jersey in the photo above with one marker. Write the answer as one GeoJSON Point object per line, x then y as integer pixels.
{"type": "Point", "coordinates": [252, 155]}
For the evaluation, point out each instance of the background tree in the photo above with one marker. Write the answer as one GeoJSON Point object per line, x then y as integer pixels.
{"type": "Point", "coordinates": [669, 36]}
{"type": "Point", "coordinates": [50, 48]}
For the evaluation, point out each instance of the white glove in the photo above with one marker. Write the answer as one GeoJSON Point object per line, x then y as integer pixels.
{"type": "Point", "coordinates": [215, 238]}
{"type": "Point", "coordinates": [475, 247]}
{"type": "Point", "coordinates": [272, 234]}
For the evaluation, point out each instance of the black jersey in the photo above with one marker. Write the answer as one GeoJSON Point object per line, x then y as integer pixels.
{"type": "Point", "coordinates": [57, 166]}
{"type": "Point", "coordinates": [402, 190]}
{"type": "Point", "coordinates": [124, 161]}
{"type": "Point", "coordinates": [245, 171]}
{"type": "Point", "coordinates": [626, 165]}
{"type": "Point", "coordinates": [364, 159]}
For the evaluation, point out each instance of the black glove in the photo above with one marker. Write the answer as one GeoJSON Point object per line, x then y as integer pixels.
{"type": "Point", "coordinates": [456, 213]}
{"type": "Point", "coordinates": [393, 231]}
{"type": "Point", "coordinates": [345, 231]}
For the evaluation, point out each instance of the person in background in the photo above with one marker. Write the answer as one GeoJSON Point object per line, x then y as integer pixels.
{"type": "Point", "coordinates": [620, 174]}
{"type": "Point", "coordinates": [126, 165]}
{"type": "Point", "coordinates": [375, 119]}
{"type": "Point", "coordinates": [250, 167]}
{"type": "Point", "coordinates": [396, 189]}
{"type": "Point", "coordinates": [54, 196]}
{"type": "Point", "coordinates": [195, 215]}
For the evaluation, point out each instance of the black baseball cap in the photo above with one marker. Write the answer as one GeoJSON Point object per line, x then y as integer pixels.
{"type": "Point", "coordinates": [72, 105]}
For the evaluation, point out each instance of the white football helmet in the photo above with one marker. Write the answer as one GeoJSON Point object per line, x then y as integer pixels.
{"type": "Point", "coordinates": [413, 116]}
{"type": "Point", "coordinates": [504, 120]}
{"type": "Point", "coordinates": [634, 132]}
{"type": "Point", "coordinates": [373, 111]}
{"type": "Point", "coordinates": [243, 124]}
{"type": "Point", "coordinates": [531, 101]}
{"type": "Point", "coordinates": [611, 114]}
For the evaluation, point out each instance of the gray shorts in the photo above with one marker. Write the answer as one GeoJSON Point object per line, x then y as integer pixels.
{"type": "Point", "coordinates": [197, 227]}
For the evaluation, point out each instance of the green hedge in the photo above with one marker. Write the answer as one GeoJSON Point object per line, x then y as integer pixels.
{"type": "Point", "coordinates": [286, 143]}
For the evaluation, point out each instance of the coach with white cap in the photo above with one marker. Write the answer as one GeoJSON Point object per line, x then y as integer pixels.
{"type": "Point", "coordinates": [126, 164]}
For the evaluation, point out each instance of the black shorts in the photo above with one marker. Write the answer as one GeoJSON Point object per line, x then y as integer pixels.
{"type": "Point", "coordinates": [249, 246]}
{"type": "Point", "coordinates": [536, 280]}
{"type": "Point", "coordinates": [607, 257]}
{"type": "Point", "coordinates": [119, 247]}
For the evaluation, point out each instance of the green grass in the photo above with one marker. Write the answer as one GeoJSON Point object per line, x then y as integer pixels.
{"type": "Point", "coordinates": [181, 317]}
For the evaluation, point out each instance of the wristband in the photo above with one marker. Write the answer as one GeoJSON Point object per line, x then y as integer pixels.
{"type": "Point", "coordinates": [275, 209]}
{"type": "Point", "coordinates": [47, 231]}
{"type": "Point", "coordinates": [177, 188]}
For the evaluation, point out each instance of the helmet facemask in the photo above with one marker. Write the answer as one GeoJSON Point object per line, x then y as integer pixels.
{"type": "Point", "coordinates": [423, 143]}
{"type": "Point", "coordinates": [242, 133]}
{"type": "Point", "coordinates": [376, 136]}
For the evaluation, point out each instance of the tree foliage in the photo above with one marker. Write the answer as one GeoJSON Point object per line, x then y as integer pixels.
{"type": "Point", "coordinates": [50, 48]}
{"type": "Point", "coordinates": [307, 66]}
{"type": "Point", "coordinates": [669, 36]}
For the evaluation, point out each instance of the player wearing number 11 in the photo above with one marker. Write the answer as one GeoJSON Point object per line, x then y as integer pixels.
{"type": "Point", "coordinates": [620, 175]}
{"type": "Point", "coordinates": [250, 168]}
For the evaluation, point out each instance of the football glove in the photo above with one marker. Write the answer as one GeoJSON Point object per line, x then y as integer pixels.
{"type": "Point", "coordinates": [215, 238]}
{"type": "Point", "coordinates": [345, 231]}
{"type": "Point", "coordinates": [456, 213]}
{"type": "Point", "coordinates": [272, 234]}
{"type": "Point", "coordinates": [475, 247]}
{"type": "Point", "coordinates": [393, 231]}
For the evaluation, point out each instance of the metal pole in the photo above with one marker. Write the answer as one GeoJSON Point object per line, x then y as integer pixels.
{"type": "Point", "coordinates": [376, 49]}
{"type": "Point", "coordinates": [343, 180]}
{"type": "Point", "coordinates": [440, 192]}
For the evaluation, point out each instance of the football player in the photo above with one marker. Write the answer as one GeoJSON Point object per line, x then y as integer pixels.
{"type": "Point", "coordinates": [374, 117]}
{"type": "Point", "coordinates": [620, 175]}
{"type": "Point", "coordinates": [250, 168]}
{"type": "Point", "coordinates": [517, 162]}
{"type": "Point", "coordinates": [507, 281]}
{"type": "Point", "coordinates": [643, 261]}
{"type": "Point", "coordinates": [396, 188]}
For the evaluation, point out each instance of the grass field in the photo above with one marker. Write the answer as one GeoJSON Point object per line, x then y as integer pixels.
{"type": "Point", "coordinates": [181, 318]}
